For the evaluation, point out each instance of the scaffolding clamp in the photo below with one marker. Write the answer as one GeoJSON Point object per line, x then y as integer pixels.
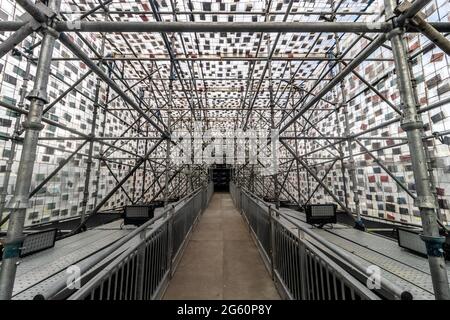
{"type": "Point", "coordinates": [49, 13]}
{"type": "Point", "coordinates": [402, 7]}
{"type": "Point", "coordinates": [12, 248]}
{"type": "Point", "coordinates": [39, 94]}
{"type": "Point", "coordinates": [428, 202]}
{"type": "Point", "coordinates": [38, 126]}
{"type": "Point", "coordinates": [396, 31]}
{"type": "Point", "coordinates": [26, 17]}
{"type": "Point", "coordinates": [433, 245]}
{"type": "Point", "coordinates": [17, 202]}
{"type": "Point", "coordinates": [343, 105]}
{"type": "Point", "coordinates": [51, 31]}
{"type": "Point", "coordinates": [350, 164]}
{"type": "Point", "coordinates": [410, 121]}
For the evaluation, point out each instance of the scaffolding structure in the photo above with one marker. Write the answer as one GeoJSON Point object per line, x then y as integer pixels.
{"type": "Point", "coordinates": [356, 90]}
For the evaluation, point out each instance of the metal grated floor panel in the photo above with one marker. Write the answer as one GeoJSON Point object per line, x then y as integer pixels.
{"type": "Point", "coordinates": [47, 266]}
{"type": "Point", "coordinates": [400, 266]}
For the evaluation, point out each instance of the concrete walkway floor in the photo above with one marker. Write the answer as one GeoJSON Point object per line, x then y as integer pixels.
{"type": "Point", "coordinates": [221, 260]}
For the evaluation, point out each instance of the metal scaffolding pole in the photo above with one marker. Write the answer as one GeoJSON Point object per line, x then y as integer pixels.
{"type": "Point", "coordinates": [168, 141]}
{"type": "Point", "coordinates": [406, 19]}
{"type": "Point", "coordinates": [144, 176]}
{"type": "Point", "coordinates": [431, 33]}
{"type": "Point", "coordinates": [351, 161]}
{"type": "Point", "coordinates": [412, 124]}
{"type": "Point", "coordinates": [33, 9]}
{"type": "Point", "coordinates": [57, 169]}
{"type": "Point", "coordinates": [165, 27]}
{"type": "Point", "coordinates": [268, 66]}
{"type": "Point", "coordinates": [10, 161]}
{"type": "Point", "coordinates": [297, 168]}
{"type": "Point", "coordinates": [19, 203]}
{"type": "Point", "coordinates": [89, 162]}
{"type": "Point", "coordinates": [16, 38]}
{"type": "Point", "coordinates": [338, 78]}
{"type": "Point", "coordinates": [118, 185]}
{"type": "Point", "coordinates": [339, 133]}
{"type": "Point", "coordinates": [79, 53]}
{"type": "Point", "coordinates": [313, 174]}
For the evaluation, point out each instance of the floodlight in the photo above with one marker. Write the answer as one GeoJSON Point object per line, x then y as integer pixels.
{"type": "Point", "coordinates": [321, 213]}
{"type": "Point", "coordinates": [38, 241]}
{"type": "Point", "coordinates": [138, 214]}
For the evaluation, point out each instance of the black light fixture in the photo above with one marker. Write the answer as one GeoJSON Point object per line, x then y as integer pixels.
{"type": "Point", "coordinates": [321, 214]}
{"type": "Point", "coordinates": [38, 241]}
{"type": "Point", "coordinates": [138, 214]}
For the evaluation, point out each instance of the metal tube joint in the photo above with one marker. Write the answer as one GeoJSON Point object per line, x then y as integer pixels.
{"type": "Point", "coordinates": [409, 120]}
{"type": "Point", "coordinates": [12, 248]}
{"type": "Point", "coordinates": [434, 245]}
{"type": "Point", "coordinates": [425, 202]}
{"type": "Point", "coordinates": [18, 202]}
{"type": "Point", "coordinates": [395, 31]}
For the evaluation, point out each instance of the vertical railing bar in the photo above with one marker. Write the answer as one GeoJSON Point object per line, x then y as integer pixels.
{"type": "Point", "coordinates": [130, 277]}
{"type": "Point", "coordinates": [155, 265]}
{"type": "Point", "coordinates": [321, 278]}
{"type": "Point", "coordinates": [296, 268]}
{"type": "Point", "coordinates": [310, 277]}
{"type": "Point", "coordinates": [127, 268]}
{"type": "Point", "coordinates": [147, 266]}
{"type": "Point", "coordinates": [293, 255]}
{"type": "Point", "coordinates": [335, 286]}
{"type": "Point", "coordinates": [133, 273]}
{"type": "Point", "coordinates": [316, 277]}
{"type": "Point", "coordinates": [100, 297]}
{"type": "Point", "coordinates": [283, 258]}
{"type": "Point", "coordinates": [157, 260]}
{"type": "Point", "coordinates": [122, 271]}
{"type": "Point", "coordinates": [302, 267]}
{"type": "Point", "coordinates": [272, 243]}
{"type": "Point", "coordinates": [286, 260]}
{"type": "Point", "coordinates": [138, 274]}
{"type": "Point", "coordinates": [287, 267]}
{"type": "Point", "coordinates": [108, 293]}
{"type": "Point", "coordinates": [116, 272]}
{"type": "Point", "coordinates": [153, 270]}
{"type": "Point", "coordinates": [328, 274]}
{"type": "Point", "coordinates": [291, 265]}
{"type": "Point", "coordinates": [352, 292]}
{"type": "Point", "coordinates": [160, 257]}
{"type": "Point", "coordinates": [148, 269]}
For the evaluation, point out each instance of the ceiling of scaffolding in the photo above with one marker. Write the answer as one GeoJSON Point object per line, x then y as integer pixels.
{"type": "Point", "coordinates": [223, 71]}
{"type": "Point", "coordinates": [296, 78]}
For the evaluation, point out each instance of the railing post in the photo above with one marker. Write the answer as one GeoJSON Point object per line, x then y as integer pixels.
{"type": "Point", "coordinates": [272, 243]}
{"type": "Point", "coordinates": [240, 200]}
{"type": "Point", "coordinates": [141, 267]}
{"type": "Point", "coordinates": [170, 239]}
{"type": "Point", "coordinates": [247, 212]}
{"type": "Point", "coordinates": [302, 260]}
{"type": "Point", "coordinates": [205, 198]}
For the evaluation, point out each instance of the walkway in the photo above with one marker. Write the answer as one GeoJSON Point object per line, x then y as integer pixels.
{"type": "Point", "coordinates": [221, 260]}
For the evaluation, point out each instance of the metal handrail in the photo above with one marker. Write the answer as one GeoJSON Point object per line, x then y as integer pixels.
{"type": "Point", "coordinates": [391, 287]}
{"type": "Point", "coordinates": [112, 255]}
{"type": "Point", "coordinates": [239, 195]}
